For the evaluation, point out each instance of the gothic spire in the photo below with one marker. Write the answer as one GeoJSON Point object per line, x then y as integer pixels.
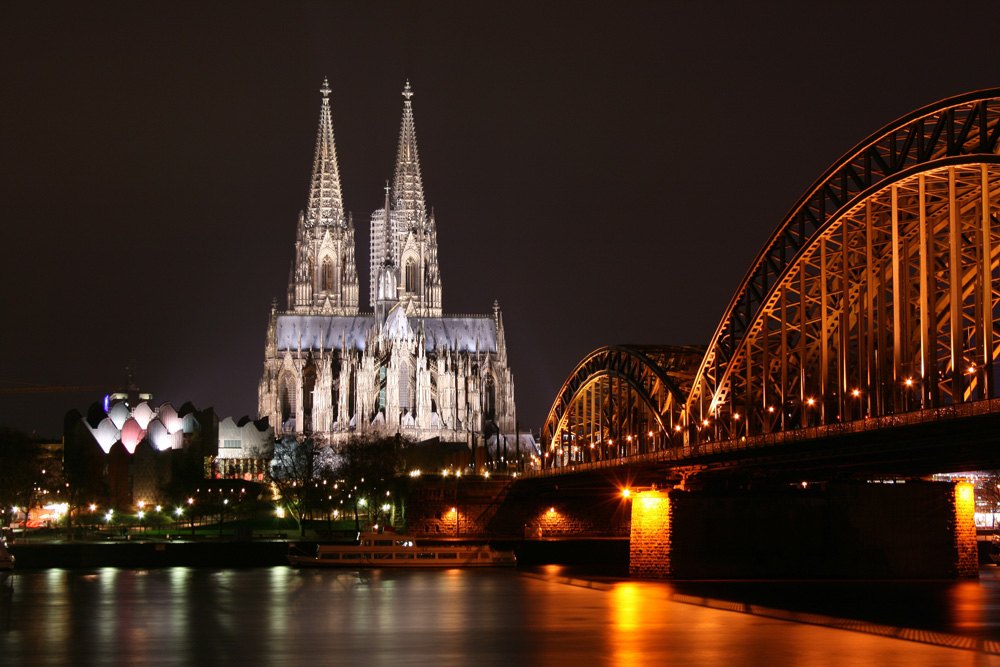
{"type": "Point", "coordinates": [326, 205]}
{"type": "Point", "coordinates": [408, 188]}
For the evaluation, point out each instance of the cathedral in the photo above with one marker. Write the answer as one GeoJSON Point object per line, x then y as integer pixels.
{"type": "Point", "coordinates": [331, 370]}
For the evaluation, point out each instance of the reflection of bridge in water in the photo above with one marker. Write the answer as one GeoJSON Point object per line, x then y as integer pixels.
{"type": "Point", "coordinates": [859, 347]}
{"type": "Point", "coordinates": [874, 305]}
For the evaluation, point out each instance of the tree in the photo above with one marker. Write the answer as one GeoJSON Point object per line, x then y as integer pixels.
{"type": "Point", "coordinates": [292, 473]}
{"type": "Point", "coordinates": [369, 468]}
{"type": "Point", "coordinates": [21, 464]}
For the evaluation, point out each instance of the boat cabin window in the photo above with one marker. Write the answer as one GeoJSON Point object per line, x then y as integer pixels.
{"type": "Point", "coordinates": [366, 543]}
{"type": "Point", "coordinates": [404, 543]}
{"type": "Point", "coordinates": [426, 555]}
{"type": "Point", "coordinates": [383, 543]}
{"type": "Point", "coordinates": [330, 556]}
{"type": "Point", "coordinates": [404, 556]}
{"type": "Point", "coordinates": [446, 555]}
{"type": "Point", "coordinates": [383, 555]}
{"type": "Point", "coordinates": [351, 556]}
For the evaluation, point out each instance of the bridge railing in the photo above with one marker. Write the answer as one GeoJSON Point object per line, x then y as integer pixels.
{"type": "Point", "coordinates": [698, 450]}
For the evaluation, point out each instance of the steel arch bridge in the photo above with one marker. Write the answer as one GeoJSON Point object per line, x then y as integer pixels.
{"type": "Point", "coordinates": [877, 295]}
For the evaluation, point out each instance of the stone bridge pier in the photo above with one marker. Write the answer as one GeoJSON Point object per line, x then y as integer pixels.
{"type": "Point", "coordinates": [916, 530]}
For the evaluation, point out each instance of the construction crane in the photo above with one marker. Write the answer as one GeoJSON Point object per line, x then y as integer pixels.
{"type": "Point", "coordinates": [31, 388]}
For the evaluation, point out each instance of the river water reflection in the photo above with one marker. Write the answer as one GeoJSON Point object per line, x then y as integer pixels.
{"type": "Point", "coordinates": [445, 617]}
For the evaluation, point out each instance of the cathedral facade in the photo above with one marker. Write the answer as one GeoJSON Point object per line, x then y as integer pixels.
{"type": "Point", "coordinates": [331, 370]}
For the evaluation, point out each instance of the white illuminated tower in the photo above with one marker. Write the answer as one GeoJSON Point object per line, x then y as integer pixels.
{"type": "Point", "coordinates": [323, 277]}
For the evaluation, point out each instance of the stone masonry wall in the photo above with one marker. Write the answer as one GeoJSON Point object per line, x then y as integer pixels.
{"type": "Point", "coordinates": [452, 507]}
{"type": "Point", "coordinates": [649, 546]}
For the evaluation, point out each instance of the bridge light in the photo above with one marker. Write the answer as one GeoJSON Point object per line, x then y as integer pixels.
{"type": "Point", "coordinates": [909, 382]}
{"type": "Point", "coordinates": [650, 434]}
{"type": "Point", "coordinates": [856, 393]}
{"type": "Point", "coordinates": [770, 409]}
{"type": "Point", "coordinates": [677, 428]}
{"type": "Point", "coordinates": [736, 416]}
{"type": "Point", "coordinates": [626, 493]}
{"type": "Point", "coordinates": [811, 401]}
{"type": "Point", "coordinates": [704, 422]}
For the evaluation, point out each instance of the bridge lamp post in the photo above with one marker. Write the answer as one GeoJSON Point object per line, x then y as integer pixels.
{"type": "Point", "coordinates": [628, 448]}
{"type": "Point", "coordinates": [807, 412]}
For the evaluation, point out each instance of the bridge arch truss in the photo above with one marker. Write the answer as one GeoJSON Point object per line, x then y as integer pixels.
{"type": "Point", "coordinates": [619, 401]}
{"type": "Point", "coordinates": [878, 294]}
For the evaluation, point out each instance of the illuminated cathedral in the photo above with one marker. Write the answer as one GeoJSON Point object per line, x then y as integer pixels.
{"type": "Point", "coordinates": [331, 370]}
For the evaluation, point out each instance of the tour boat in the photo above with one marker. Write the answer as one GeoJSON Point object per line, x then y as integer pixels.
{"type": "Point", "coordinates": [6, 558]}
{"type": "Point", "coordinates": [395, 550]}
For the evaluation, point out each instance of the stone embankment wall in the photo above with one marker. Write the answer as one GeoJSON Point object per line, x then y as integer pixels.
{"type": "Point", "coordinates": [463, 507]}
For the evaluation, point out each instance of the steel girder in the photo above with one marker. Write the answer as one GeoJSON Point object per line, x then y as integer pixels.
{"type": "Point", "coordinates": [620, 392]}
{"type": "Point", "coordinates": [877, 294]}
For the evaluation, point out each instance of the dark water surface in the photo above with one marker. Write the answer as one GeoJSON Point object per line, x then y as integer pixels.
{"type": "Point", "coordinates": [546, 616]}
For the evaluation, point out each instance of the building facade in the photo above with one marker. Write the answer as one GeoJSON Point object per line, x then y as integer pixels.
{"type": "Point", "coordinates": [403, 367]}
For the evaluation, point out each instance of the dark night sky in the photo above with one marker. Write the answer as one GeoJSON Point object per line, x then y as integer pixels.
{"type": "Point", "coordinates": [608, 172]}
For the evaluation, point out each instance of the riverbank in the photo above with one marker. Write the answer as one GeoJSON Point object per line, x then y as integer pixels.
{"type": "Point", "coordinates": [267, 553]}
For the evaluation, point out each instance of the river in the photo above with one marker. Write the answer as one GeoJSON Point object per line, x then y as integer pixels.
{"type": "Point", "coordinates": [540, 616]}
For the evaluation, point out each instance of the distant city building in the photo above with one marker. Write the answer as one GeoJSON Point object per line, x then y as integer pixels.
{"type": "Point", "coordinates": [330, 370]}
{"type": "Point", "coordinates": [125, 450]}
{"type": "Point", "coordinates": [245, 449]}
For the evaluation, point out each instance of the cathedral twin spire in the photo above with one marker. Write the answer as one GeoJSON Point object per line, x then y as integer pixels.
{"type": "Point", "coordinates": [407, 186]}
{"type": "Point", "coordinates": [403, 236]}
{"type": "Point", "coordinates": [326, 204]}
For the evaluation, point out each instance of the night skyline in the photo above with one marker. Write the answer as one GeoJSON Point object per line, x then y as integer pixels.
{"type": "Point", "coordinates": [608, 174]}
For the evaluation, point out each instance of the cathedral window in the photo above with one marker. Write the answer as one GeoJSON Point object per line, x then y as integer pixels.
{"type": "Point", "coordinates": [286, 397]}
{"type": "Point", "coordinates": [327, 274]}
{"type": "Point", "coordinates": [489, 399]}
{"type": "Point", "coordinates": [405, 388]}
{"type": "Point", "coordinates": [411, 276]}
{"type": "Point", "coordinates": [308, 384]}
{"type": "Point", "coordinates": [312, 272]}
